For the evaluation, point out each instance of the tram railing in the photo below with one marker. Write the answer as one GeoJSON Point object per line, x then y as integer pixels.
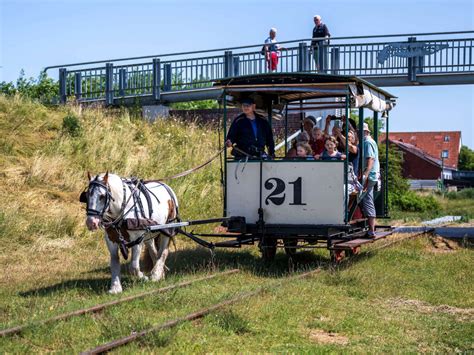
{"type": "Point", "coordinates": [360, 56]}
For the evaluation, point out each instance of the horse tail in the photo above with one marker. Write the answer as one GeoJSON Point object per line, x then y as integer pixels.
{"type": "Point", "coordinates": [147, 261]}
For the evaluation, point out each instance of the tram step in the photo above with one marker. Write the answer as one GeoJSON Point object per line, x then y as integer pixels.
{"type": "Point", "coordinates": [358, 242]}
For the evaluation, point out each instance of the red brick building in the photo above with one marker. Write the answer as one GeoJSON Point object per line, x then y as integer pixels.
{"type": "Point", "coordinates": [446, 144]}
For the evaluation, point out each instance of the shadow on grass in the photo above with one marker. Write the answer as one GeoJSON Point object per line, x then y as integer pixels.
{"type": "Point", "coordinates": [195, 261]}
{"type": "Point", "coordinates": [92, 285]}
{"type": "Point", "coordinates": [202, 260]}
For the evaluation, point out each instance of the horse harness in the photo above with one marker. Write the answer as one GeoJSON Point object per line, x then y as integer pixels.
{"type": "Point", "coordinates": [117, 230]}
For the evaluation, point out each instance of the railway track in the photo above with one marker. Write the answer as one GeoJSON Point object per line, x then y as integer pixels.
{"type": "Point", "coordinates": [189, 317]}
{"type": "Point", "coordinates": [101, 307]}
{"type": "Point", "coordinates": [195, 315]}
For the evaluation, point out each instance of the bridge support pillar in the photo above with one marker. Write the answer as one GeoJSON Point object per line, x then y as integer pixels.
{"type": "Point", "coordinates": [62, 85]}
{"type": "Point", "coordinates": [156, 78]}
{"type": "Point", "coordinates": [152, 113]}
{"type": "Point", "coordinates": [109, 84]}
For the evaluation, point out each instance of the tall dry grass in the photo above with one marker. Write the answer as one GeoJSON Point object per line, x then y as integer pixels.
{"type": "Point", "coordinates": [43, 169]}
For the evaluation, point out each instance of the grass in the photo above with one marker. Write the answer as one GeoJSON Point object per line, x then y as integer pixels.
{"type": "Point", "coordinates": [452, 204]}
{"type": "Point", "coordinates": [408, 298]}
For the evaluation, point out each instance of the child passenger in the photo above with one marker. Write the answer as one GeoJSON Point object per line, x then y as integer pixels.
{"type": "Point", "coordinates": [331, 153]}
{"type": "Point", "coordinates": [317, 143]}
{"type": "Point", "coordinates": [303, 137]}
{"type": "Point", "coordinates": [303, 150]}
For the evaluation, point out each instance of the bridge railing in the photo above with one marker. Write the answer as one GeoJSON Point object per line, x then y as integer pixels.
{"type": "Point", "coordinates": [410, 57]}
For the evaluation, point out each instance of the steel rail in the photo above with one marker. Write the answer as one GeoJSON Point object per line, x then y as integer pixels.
{"type": "Point", "coordinates": [195, 315]}
{"type": "Point", "coordinates": [100, 307]}
{"type": "Point", "coordinates": [399, 240]}
{"type": "Point", "coordinates": [248, 46]}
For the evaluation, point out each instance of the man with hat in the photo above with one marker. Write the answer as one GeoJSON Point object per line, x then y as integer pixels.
{"type": "Point", "coordinates": [251, 133]}
{"type": "Point", "coordinates": [370, 177]}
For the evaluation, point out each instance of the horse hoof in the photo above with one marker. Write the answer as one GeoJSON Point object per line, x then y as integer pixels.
{"type": "Point", "coordinates": [157, 278]}
{"type": "Point", "coordinates": [115, 290]}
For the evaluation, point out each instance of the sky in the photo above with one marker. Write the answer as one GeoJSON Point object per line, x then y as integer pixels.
{"type": "Point", "coordinates": [40, 33]}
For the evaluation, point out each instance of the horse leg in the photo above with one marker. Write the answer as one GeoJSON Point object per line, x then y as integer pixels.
{"type": "Point", "coordinates": [152, 251]}
{"type": "Point", "coordinates": [115, 285]}
{"type": "Point", "coordinates": [135, 263]}
{"type": "Point", "coordinates": [158, 271]}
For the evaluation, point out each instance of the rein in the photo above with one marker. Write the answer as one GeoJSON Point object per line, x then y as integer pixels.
{"type": "Point", "coordinates": [189, 171]}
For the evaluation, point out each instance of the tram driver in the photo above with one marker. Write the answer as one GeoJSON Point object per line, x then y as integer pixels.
{"type": "Point", "coordinates": [250, 133]}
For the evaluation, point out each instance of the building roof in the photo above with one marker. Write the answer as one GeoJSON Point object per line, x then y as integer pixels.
{"type": "Point", "coordinates": [416, 151]}
{"type": "Point", "coordinates": [432, 144]}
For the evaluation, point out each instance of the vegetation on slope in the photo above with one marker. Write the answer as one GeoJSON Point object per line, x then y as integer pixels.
{"type": "Point", "coordinates": [411, 298]}
{"type": "Point", "coordinates": [45, 155]}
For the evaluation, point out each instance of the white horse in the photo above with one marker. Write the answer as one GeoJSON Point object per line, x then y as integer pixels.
{"type": "Point", "coordinates": [112, 202]}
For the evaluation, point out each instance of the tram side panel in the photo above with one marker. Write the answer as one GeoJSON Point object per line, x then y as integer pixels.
{"type": "Point", "coordinates": [304, 192]}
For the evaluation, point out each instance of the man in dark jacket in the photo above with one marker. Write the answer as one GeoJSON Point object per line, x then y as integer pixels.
{"type": "Point", "coordinates": [251, 133]}
{"type": "Point", "coordinates": [320, 38]}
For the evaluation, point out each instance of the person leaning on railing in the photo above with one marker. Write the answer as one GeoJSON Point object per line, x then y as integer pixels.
{"type": "Point", "coordinates": [320, 36]}
{"type": "Point", "coordinates": [271, 49]}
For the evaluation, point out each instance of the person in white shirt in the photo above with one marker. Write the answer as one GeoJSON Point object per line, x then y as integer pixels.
{"type": "Point", "coordinates": [272, 48]}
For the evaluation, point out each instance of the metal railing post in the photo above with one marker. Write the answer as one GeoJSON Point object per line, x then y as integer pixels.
{"type": "Point", "coordinates": [361, 143]}
{"type": "Point", "coordinates": [411, 62]}
{"type": "Point", "coordinates": [228, 62]}
{"type": "Point", "coordinates": [109, 82]}
{"type": "Point", "coordinates": [62, 85]}
{"type": "Point", "coordinates": [156, 78]}
{"type": "Point", "coordinates": [236, 66]}
{"type": "Point", "coordinates": [335, 62]}
{"type": "Point", "coordinates": [78, 85]}
{"type": "Point", "coordinates": [302, 57]}
{"type": "Point", "coordinates": [167, 77]}
{"type": "Point", "coordinates": [322, 53]}
{"type": "Point", "coordinates": [122, 81]}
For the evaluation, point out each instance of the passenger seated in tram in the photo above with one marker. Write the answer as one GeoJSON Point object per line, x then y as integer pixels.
{"type": "Point", "coordinates": [302, 137]}
{"type": "Point", "coordinates": [303, 150]}
{"type": "Point", "coordinates": [317, 143]}
{"type": "Point", "coordinates": [251, 133]}
{"type": "Point", "coordinates": [330, 152]}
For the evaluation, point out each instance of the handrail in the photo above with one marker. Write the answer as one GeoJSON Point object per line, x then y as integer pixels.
{"type": "Point", "coordinates": [248, 46]}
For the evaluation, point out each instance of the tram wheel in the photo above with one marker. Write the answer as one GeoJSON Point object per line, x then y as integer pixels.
{"type": "Point", "coordinates": [290, 246]}
{"type": "Point", "coordinates": [268, 247]}
{"type": "Point", "coordinates": [337, 255]}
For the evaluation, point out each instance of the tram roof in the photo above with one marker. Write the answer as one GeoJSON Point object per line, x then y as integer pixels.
{"type": "Point", "coordinates": [292, 87]}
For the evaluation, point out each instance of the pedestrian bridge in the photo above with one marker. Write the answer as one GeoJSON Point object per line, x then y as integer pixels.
{"type": "Point", "coordinates": [391, 60]}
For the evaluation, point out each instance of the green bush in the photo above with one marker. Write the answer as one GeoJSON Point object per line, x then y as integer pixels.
{"type": "Point", "coordinates": [463, 194]}
{"type": "Point", "coordinates": [72, 126]}
{"type": "Point", "coordinates": [411, 202]}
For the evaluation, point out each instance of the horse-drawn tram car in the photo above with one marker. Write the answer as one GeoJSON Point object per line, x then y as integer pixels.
{"type": "Point", "coordinates": [279, 201]}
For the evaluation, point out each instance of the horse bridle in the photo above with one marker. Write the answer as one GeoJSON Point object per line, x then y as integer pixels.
{"type": "Point", "coordinates": [84, 197]}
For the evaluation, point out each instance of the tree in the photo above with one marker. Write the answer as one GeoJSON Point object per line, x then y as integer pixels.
{"type": "Point", "coordinates": [466, 159]}
{"type": "Point", "coordinates": [43, 88]}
